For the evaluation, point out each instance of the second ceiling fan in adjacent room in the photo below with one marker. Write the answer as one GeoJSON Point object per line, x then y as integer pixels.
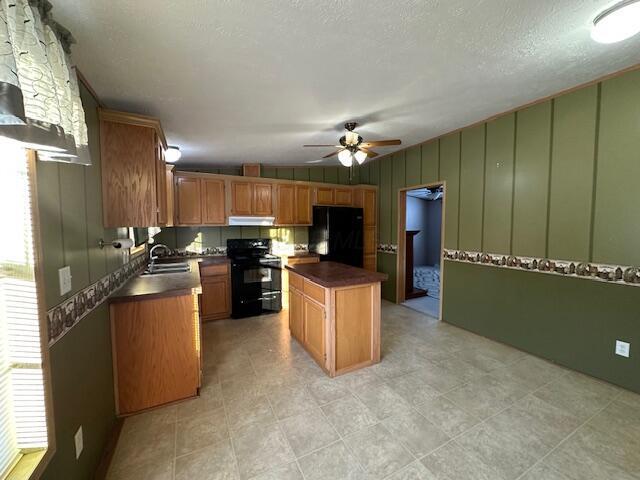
{"type": "Point", "coordinates": [353, 149]}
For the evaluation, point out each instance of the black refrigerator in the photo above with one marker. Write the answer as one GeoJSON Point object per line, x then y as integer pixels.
{"type": "Point", "coordinates": [336, 234]}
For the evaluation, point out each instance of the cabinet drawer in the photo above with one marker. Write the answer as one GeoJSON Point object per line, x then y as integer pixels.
{"type": "Point", "coordinates": [295, 280]}
{"type": "Point", "coordinates": [216, 269]}
{"type": "Point", "coordinates": [314, 291]}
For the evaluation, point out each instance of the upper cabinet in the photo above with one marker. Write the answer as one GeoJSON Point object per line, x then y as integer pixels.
{"type": "Point", "coordinates": [251, 198]}
{"type": "Point", "coordinates": [134, 190]}
{"type": "Point", "coordinates": [334, 196]}
{"type": "Point", "coordinates": [293, 204]}
{"type": "Point", "coordinates": [199, 199]}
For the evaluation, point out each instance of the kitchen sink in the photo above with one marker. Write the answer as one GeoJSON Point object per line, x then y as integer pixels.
{"type": "Point", "coordinates": [164, 268]}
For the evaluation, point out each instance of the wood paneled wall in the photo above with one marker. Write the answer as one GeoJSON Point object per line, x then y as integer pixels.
{"type": "Point", "coordinates": [556, 179]}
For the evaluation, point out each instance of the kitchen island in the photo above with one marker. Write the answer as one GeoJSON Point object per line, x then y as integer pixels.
{"type": "Point", "coordinates": [334, 312]}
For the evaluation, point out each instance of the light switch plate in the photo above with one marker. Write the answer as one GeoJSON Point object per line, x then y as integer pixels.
{"type": "Point", "coordinates": [622, 348]}
{"type": "Point", "coordinates": [79, 442]}
{"type": "Point", "coordinates": [64, 277]}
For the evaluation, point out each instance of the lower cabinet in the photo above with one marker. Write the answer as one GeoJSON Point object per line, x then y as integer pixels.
{"type": "Point", "coordinates": [314, 330]}
{"type": "Point", "coordinates": [215, 300]}
{"type": "Point", "coordinates": [296, 315]}
{"type": "Point", "coordinates": [156, 351]}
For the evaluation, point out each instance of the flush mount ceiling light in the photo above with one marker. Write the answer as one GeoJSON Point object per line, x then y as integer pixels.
{"type": "Point", "coordinates": [617, 23]}
{"type": "Point", "coordinates": [172, 154]}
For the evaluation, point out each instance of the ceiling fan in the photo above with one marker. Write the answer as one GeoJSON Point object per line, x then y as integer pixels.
{"type": "Point", "coordinates": [353, 147]}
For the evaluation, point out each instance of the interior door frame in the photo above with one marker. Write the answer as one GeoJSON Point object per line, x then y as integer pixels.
{"type": "Point", "coordinates": [402, 247]}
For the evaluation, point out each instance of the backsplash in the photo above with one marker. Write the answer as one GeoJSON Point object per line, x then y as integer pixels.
{"type": "Point", "coordinates": [213, 240]}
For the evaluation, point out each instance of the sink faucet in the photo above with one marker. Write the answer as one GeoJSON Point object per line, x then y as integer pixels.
{"type": "Point", "coordinates": [155, 257]}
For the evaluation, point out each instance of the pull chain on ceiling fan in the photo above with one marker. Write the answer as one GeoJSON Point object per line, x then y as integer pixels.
{"type": "Point", "coordinates": [353, 149]}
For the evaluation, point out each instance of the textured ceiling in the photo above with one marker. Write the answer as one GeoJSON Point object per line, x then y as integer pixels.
{"type": "Point", "coordinates": [238, 81]}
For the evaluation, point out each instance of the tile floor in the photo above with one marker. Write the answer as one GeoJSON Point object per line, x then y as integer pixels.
{"type": "Point", "coordinates": [443, 404]}
{"type": "Point", "coordinates": [427, 305]}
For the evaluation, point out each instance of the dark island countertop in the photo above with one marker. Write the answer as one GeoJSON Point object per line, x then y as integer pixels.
{"type": "Point", "coordinates": [146, 287]}
{"type": "Point", "coordinates": [334, 274]}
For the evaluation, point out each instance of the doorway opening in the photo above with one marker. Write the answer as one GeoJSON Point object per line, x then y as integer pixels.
{"type": "Point", "coordinates": [420, 241]}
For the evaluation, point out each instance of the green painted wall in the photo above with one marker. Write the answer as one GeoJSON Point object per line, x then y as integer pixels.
{"type": "Point", "coordinates": [571, 321]}
{"type": "Point", "coordinates": [69, 200]}
{"type": "Point", "coordinates": [557, 179]}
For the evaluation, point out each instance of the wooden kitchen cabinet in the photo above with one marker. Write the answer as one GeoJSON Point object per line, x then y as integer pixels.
{"type": "Point", "coordinates": [215, 300]}
{"type": "Point", "coordinates": [188, 200]}
{"type": "Point", "coordinates": [156, 351]}
{"type": "Point", "coordinates": [314, 329]}
{"type": "Point", "coordinates": [344, 197]}
{"type": "Point", "coordinates": [293, 205]}
{"type": "Point", "coordinates": [132, 160]}
{"type": "Point", "coordinates": [213, 195]}
{"type": "Point", "coordinates": [325, 196]}
{"type": "Point", "coordinates": [251, 198]}
{"type": "Point", "coordinates": [170, 196]}
{"type": "Point", "coordinates": [367, 200]}
{"type": "Point", "coordinates": [293, 260]}
{"type": "Point", "coordinates": [296, 315]}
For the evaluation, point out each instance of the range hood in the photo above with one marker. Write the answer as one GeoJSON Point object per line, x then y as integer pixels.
{"type": "Point", "coordinates": [251, 221]}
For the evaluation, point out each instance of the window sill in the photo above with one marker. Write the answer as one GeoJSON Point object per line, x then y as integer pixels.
{"type": "Point", "coordinates": [26, 466]}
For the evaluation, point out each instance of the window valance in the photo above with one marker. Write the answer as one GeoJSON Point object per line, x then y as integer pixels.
{"type": "Point", "coordinates": [40, 104]}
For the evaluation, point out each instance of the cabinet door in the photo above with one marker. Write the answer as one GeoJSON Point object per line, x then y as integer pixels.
{"type": "Point", "coordinates": [262, 199]}
{"type": "Point", "coordinates": [369, 206]}
{"type": "Point", "coordinates": [286, 205]}
{"type": "Point", "coordinates": [188, 201]}
{"type": "Point", "coordinates": [128, 158]}
{"type": "Point", "coordinates": [325, 196]}
{"type": "Point", "coordinates": [215, 297]}
{"type": "Point", "coordinates": [314, 330]}
{"type": "Point", "coordinates": [369, 240]}
{"type": "Point", "coordinates": [212, 202]}
{"type": "Point", "coordinates": [344, 196]}
{"type": "Point", "coordinates": [241, 195]}
{"type": "Point", "coordinates": [170, 198]}
{"type": "Point", "coordinates": [296, 314]}
{"type": "Point", "coordinates": [303, 205]}
{"type": "Point", "coordinates": [370, 263]}
{"type": "Point", "coordinates": [161, 185]}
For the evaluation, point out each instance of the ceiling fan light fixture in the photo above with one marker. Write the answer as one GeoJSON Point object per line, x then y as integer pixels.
{"type": "Point", "coordinates": [351, 138]}
{"type": "Point", "coordinates": [617, 23]}
{"type": "Point", "coordinates": [346, 158]}
{"type": "Point", "coordinates": [360, 157]}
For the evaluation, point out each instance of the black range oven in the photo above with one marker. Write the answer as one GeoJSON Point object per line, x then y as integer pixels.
{"type": "Point", "coordinates": [256, 284]}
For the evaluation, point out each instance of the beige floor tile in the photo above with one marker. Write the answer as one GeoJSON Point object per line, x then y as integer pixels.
{"type": "Point", "coordinates": [212, 463]}
{"type": "Point", "coordinates": [289, 401]}
{"type": "Point", "coordinates": [348, 415]}
{"type": "Point", "coordinates": [289, 471]}
{"type": "Point", "coordinates": [326, 390]}
{"type": "Point", "coordinates": [441, 377]}
{"type": "Point", "coordinates": [578, 394]}
{"type": "Point", "coordinates": [415, 471]}
{"type": "Point", "coordinates": [355, 380]}
{"type": "Point", "coordinates": [308, 431]}
{"type": "Point", "coordinates": [201, 431]}
{"type": "Point", "coordinates": [382, 400]}
{"type": "Point", "coordinates": [544, 472]}
{"type": "Point", "coordinates": [157, 469]}
{"type": "Point", "coordinates": [510, 456]}
{"type": "Point", "coordinates": [416, 433]}
{"type": "Point", "coordinates": [241, 388]}
{"type": "Point", "coordinates": [333, 462]}
{"type": "Point", "coordinates": [541, 425]}
{"type": "Point", "coordinates": [452, 462]}
{"type": "Point", "coordinates": [261, 449]}
{"type": "Point", "coordinates": [151, 419]}
{"type": "Point", "coordinates": [447, 416]}
{"type": "Point", "coordinates": [137, 447]}
{"type": "Point", "coordinates": [378, 451]}
{"type": "Point", "coordinates": [413, 388]}
{"type": "Point", "coordinates": [481, 361]}
{"type": "Point", "coordinates": [530, 372]}
{"type": "Point", "coordinates": [618, 419]}
{"type": "Point", "coordinates": [485, 396]}
{"type": "Point", "coordinates": [250, 411]}
{"type": "Point", "coordinates": [198, 406]}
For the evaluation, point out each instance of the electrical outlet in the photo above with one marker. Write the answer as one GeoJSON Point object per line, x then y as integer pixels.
{"type": "Point", "coordinates": [79, 441]}
{"type": "Point", "coordinates": [622, 348]}
{"type": "Point", "coordinates": [64, 276]}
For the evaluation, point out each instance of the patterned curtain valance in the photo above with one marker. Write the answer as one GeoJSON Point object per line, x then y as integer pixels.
{"type": "Point", "coordinates": [40, 104]}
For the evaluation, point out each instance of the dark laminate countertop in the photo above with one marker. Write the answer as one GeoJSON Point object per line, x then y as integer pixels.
{"type": "Point", "coordinates": [166, 285]}
{"type": "Point", "coordinates": [333, 274]}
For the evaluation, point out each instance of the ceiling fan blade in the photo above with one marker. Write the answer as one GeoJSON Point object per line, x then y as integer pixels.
{"type": "Point", "coordinates": [381, 143]}
{"type": "Point", "coordinates": [334, 153]}
{"type": "Point", "coordinates": [321, 145]}
{"type": "Point", "coordinates": [370, 153]}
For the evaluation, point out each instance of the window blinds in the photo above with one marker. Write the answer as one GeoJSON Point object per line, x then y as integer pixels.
{"type": "Point", "coordinates": [22, 409]}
